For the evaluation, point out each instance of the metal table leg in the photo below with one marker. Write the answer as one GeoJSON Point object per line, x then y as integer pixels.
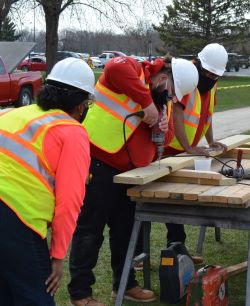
{"type": "Point", "coordinates": [146, 249]}
{"type": "Point", "coordinates": [248, 274]}
{"type": "Point", "coordinates": [201, 239]}
{"type": "Point", "coordinates": [128, 262]}
{"type": "Point", "coordinates": [217, 233]}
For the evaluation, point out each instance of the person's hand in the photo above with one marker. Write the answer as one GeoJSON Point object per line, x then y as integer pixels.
{"type": "Point", "coordinates": [151, 115]}
{"type": "Point", "coordinates": [53, 281]}
{"type": "Point", "coordinates": [198, 151]}
{"type": "Point", "coordinates": [218, 146]}
{"type": "Point", "coordinates": [163, 124]}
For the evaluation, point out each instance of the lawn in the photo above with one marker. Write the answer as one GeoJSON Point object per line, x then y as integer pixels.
{"type": "Point", "coordinates": [231, 250]}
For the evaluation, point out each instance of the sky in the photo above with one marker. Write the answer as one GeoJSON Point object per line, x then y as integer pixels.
{"type": "Point", "coordinates": [76, 19]}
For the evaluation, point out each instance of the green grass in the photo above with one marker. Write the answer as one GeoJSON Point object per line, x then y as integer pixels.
{"type": "Point", "coordinates": [232, 98]}
{"type": "Point", "coordinates": [231, 250]}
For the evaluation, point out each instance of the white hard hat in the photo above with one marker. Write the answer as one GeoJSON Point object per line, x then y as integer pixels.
{"type": "Point", "coordinates": [185, 77]}
{"type": "Point", "coordinates": [75, 72]}
{"type": "Point", "coordinates": [214, 58]}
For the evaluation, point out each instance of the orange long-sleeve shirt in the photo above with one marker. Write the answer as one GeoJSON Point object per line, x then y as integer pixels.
{"type": "Point", "coordinates": [67, 151]}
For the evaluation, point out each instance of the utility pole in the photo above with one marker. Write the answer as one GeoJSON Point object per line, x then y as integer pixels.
{"type": "Point", "coordinates": [34, 22]}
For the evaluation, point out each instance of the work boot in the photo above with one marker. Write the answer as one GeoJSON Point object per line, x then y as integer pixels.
{"type": "Point", "coordinates": [89, 301]}
{"type": "Point", "coordinates": [137, 294]}
{"type": "Point", "coordinates": [197, 260]}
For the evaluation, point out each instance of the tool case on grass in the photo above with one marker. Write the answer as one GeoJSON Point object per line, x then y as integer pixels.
{"type": "Point", "coordinates": [208, 287]}
{"type": "Point", "coordinates": [175, 272]}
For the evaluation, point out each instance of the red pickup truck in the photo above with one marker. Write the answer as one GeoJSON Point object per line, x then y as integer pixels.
{"type": "Point", "coordinates": [18, 88]}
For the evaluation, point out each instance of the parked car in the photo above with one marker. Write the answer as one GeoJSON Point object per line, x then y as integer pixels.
{"type": "Point", "coordinates": [96, 62]}
{"type": "Point", "coordinates": [18, 88]}
{"type": "Point", "coordinates": [138, 58]}
{"type": "Point", "coordinates": [60, 55]}
{"type": "Point", "coordinates": [244, 61]}
{"type": "Point", "coordinates": [233, 62]}
{"type": "Point", "coordinates": [36, 63]}
{"type": "Point", "coordinates": [108, 55]}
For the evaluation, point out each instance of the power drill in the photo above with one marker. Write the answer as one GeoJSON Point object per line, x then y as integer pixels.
{"type": "Point", "coordinates": [158, 136]}
{"type": "Point", "coordinates": [239, 173]}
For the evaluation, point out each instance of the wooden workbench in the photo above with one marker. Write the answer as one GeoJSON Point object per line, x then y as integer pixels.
{"type": "Point", "coordinates": [211, 202]}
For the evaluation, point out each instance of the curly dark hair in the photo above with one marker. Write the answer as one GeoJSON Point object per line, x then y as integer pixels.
{"type": "Point", "coordinates": [57, 95]}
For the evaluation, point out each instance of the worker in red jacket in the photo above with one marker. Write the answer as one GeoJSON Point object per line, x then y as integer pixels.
{"type": "Point", "coordinates": [44, 163]}
{"type": "Point", "coordinates": [193, 117]}
{"type": "Point", "coordinates": [125, 87]}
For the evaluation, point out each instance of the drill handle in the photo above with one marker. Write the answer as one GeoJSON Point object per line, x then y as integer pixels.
{"type": "Point", "coordinates": [239, 158]}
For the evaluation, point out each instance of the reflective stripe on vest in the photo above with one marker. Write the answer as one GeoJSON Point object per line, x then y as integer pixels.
{"type": "Point", "coordinates": [210, 110]}
{"type": "Point", "coordinates": [105, 119]}
{"type": "Point", "coordinates": [26, 181]}
{"type": "Point", "coordinates": [26, 156]}
{"type": "Point", "coordinates": [191, 119]}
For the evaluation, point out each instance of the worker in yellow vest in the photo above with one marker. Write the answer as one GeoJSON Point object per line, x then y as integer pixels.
{"type": "Point", "coordinates": [42, 148]}
{"type": "Point", "coordinates": [193, 117]}
{"type": "Point", "coordinates": [121, 141]}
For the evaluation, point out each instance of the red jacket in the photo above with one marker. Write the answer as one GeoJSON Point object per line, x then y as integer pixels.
{"type": "Point", "coordinates": [122, 75]}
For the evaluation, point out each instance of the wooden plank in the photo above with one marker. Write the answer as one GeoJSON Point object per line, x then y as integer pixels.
{"type": "Point", "coordinates": [208, 195]}
{"type": "Point", "coordinates": [156, 188]}
{"type": "Point", "coordinates": [235, 141]}
{"type": "Point", "coordinates": [224, 195]}
{"type": "Point", "coordinates": [196, 174]}
{"type": "Point", "coordinates": [237, 269]}
{"type": "Point", "coordinates": [241, 196]}
{"type": "Point", "coordinates": [178, 193]}
{"type": "Point", "coordinates": [192, 194]}
{"type": "Point", "coordinates": [143, 175]}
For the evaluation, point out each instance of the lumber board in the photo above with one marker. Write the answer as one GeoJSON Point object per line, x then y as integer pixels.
{"type": "Point", "coordinates": [192, 194]}
{"type": "Point", "coordinates": [143, 175]}
{"type": "Point", "coordinates": [224, 181]}
{"type": "Point", "coordinates": [208, 195]}
{"type": "Point", "coordinates": [241, 196]}
{"type": "Point", "coordinates": [236, 269]}
{"type": "Point", "coordinates": [235, 141]}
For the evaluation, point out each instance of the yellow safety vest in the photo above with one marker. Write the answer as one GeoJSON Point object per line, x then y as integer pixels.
{"type": "Point", "coordinates": [104, 121]}
{"type": "Point", "coordinates": [192, 114]}
{"type": "Point", "coordinates": [26, 180]}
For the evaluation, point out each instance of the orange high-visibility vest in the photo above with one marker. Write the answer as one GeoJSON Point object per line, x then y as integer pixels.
{"type": "Point", "coordinates": [26, 180]}
{"type": "Point", "coordinates": [104, 121]}
{"type": "Point", "coordinates": [192, 114]}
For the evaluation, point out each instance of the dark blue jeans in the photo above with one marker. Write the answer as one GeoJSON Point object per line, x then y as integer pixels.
{"type": "Point", "coordinates": [24, 263]}
{"type": "Point", "coordinates": [105, 203]}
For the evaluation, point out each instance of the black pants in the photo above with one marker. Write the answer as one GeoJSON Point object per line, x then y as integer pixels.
{"type": "Point", "coordinates": [24, 263]}
{"type": "Point", "coordinates": [105, 203]}
{"type": "Point", "coordinates": [176, 232]}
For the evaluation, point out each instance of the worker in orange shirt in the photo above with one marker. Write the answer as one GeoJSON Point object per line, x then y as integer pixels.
{"type": "Point", "coordinates": [125, 87]}
{"type": "Point", "coordinates": [193, 117]}
{"type": "Point", "coordinates": [44, 162]}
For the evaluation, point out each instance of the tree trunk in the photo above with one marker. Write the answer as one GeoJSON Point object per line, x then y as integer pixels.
{"type": "Point", "coordinates": [52, 20]}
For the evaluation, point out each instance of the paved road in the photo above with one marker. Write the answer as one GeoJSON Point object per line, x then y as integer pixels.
{"type": "Point", "coordinates": [230, 122]}
{"type": "Point", "coordinates": [241, 72]}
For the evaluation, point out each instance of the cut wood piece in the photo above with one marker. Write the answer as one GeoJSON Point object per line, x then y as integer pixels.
{"type": "Point", "coordinates": [223, 196]}
{"type": "Point", "coordinates": [235, 141]}
{"type": "Point", "coordinates": [224, 181]}
{"type": "Point", "coordinates": [246, 145]}
{"type": "Point", "coordinates": [178, 193]}
{"type": "Point", "coordinates": [170, 188]}
{"type": "Point", "coordinates": [136, 191]}
{"type": "Point", "coordinates": [197, 174]}
{"type": "Point", "coordinates": [154, 188]}
{"type": "Point", "coordinates": [208, 195]}
{"type": "Point", "coordinates": [192, 194]}
{"type": "Point", "coordinates": [240, 196]}
{"type": "Point", "coordinates": [236, 269]}
{"type": "Point", "coordinates": [141, 176]}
